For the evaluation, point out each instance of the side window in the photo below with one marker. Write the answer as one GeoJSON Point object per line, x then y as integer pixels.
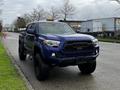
{"type": "Point", "coordinates": [31, 27]}
{"type": "Point", "coordinates": [28, 27]}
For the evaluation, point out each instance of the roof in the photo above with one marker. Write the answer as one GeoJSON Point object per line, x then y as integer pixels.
{"type": "Point", "coordinates": [102, 18]}
{"type": "Point", "coordinates": [70, 21]}
{"type": "Point", "coordinates": [44, 22]}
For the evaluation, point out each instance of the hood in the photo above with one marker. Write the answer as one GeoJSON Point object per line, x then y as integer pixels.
{"type": "Point", "coordinates": [67, 37]}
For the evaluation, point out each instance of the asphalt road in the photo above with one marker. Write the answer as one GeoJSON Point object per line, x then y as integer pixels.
{"type": "Point", "coordinates": [106, 76]}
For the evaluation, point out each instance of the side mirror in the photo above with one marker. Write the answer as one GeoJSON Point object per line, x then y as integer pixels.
{"type": "Point", "coordinates": [30, 31]}
{"type": "Point", "coordinates": [77, 31]}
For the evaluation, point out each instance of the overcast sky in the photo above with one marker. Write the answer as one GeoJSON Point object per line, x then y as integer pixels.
{"type": "Point", "coordinates": [85, 9]}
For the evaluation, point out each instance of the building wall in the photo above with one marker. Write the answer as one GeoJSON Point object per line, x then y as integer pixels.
{"type": "Point", "coordinates": [117, 24]}
{"type": "Point", "coordinates": [87, 26]}
{"type": "Point", "coordinates": [74, 25]}
{"type": "Point", "coordinates": [98, 25]}
{"type": "Point", "coordinates": [108, 24]}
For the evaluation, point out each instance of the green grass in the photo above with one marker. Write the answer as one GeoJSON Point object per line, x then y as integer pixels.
{"type": "Point", "coordinates": [109, 40]}
{"type": "Point", "coordinates": [9, 77]}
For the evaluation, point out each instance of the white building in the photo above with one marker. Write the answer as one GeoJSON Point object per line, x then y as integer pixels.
{"type": "Point", "coordinates": [100, 25]}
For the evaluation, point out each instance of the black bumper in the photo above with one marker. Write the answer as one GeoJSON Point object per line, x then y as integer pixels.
{"type": "Point", "coordinates": [75, 60]}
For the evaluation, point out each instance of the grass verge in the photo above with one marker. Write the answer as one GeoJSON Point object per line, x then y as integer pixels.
{"type": "Point", "coordinates": [9, 77]}
{"type": "Point", "coordinates": [109, 40]}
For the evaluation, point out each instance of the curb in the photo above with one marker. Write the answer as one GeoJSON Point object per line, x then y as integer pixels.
{"type": "Point", "coordinates": [27, 83]}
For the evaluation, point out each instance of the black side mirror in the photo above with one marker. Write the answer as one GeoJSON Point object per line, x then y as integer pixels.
{"type": "Point", "coordinates": [30, 31]}
{"type": "Point", "coordinates": [77, 31]}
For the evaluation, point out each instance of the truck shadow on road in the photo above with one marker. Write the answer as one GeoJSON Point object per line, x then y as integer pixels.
{"type": "Point", "coordinates": [68, 73]}
{"type": "Point", "coordinates": [67, 78]}
{"type": "Point", "coordinates": [65, 73]}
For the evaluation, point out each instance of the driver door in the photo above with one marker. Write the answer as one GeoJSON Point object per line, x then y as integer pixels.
{"type": "Point", "coordinates": [30, 38]}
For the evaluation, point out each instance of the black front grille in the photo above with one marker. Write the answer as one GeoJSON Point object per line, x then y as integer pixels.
{"type": "Point", "coordinates": [78, 46]}
{"type": "Point", "coordinates": [78, 42]}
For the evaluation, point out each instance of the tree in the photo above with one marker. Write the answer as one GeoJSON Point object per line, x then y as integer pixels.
{"type": "Point", "coordinates": [1, 3]}
{"type": "Point", "coordinates": [19, 23]}
{"type": "Point", "coordinates": [54, 13]}
{"type": "Point", "coordinates": [1, 27]}
{"type": "Point", "coordinates": [27, 18]}
{"type": "Point", "coordinates": [67, 9]}
{"type": "Point", "coordinates": [37, 14]}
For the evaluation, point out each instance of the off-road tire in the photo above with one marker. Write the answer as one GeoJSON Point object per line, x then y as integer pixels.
{"type": "Point", "coordinates": [22, 54]}
{"type": "Point", "coordinates": [41, 69]}
{"type": "Point", "coordinates": [87, 68]}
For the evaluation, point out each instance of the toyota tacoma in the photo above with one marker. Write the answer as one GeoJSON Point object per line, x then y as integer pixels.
{"type": "Point", "coordinates": [54, 44]}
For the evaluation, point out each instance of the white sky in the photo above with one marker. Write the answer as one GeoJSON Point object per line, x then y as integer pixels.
{"type": "Point", "coordinates": [85, 9]}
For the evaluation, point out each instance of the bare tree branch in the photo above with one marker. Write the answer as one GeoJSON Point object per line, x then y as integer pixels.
{"type": "Point", "coordinates": [54, 13]}
{"type": "Point", "coordinates": [67, 9]}
{"type": "Point", "coordinates": [19, 23]}
{"type": "Point", "coordinates": [27, 18]}
{"type": "Point", "coordinates": [38, 14]}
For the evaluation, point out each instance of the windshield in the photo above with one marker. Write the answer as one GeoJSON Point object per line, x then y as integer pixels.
{"type": "Point", "coordinates": [55, 28]}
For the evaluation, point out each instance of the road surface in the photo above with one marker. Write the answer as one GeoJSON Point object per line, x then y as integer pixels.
{"type": "Point", "coordinates": [106, 76]}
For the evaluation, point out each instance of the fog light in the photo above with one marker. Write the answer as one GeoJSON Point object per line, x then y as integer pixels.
{"type": "Point", "coordinates": [96, 51]}
{"type": "Point", "coordinates": [53, 54]}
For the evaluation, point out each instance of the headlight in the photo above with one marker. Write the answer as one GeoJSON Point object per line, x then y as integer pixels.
{"type": "Point", "coordinates": [52, 43]}
{"type": "Point", "coordinates": [95, 41]}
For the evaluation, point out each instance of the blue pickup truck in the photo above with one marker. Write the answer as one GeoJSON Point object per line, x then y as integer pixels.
{"type": "Point", "coordinates": [54, 44]}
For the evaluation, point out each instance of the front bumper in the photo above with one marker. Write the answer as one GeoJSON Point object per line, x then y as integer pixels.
{"type": "Point", "coordinates": [75, 60]}
{"type": "Point", "coordinates": [71, 59]}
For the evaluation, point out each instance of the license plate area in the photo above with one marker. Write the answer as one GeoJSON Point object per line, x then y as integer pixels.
{"type": "Point", "coordinates": [80, 61]}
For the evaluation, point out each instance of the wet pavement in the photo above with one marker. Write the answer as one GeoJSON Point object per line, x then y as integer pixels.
{"type": "Point", "coordinates": [106, 76]}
